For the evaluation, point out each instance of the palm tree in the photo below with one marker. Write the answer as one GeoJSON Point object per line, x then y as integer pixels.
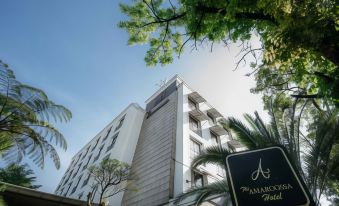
{"type": "Point", "coordinates": [18, 175]}
{"type": "Point", "coordinates": [315, 154]}
{"type": "Point", "coordinates": [25, 129]}
{"type": "Point", "coordinates": [213, 155]}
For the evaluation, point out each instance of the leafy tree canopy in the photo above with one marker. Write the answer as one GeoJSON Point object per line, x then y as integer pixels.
{"type": "Point", "coordinates": [299, 49]}
{"type": "Point", "coordinates": [25, 116]}
{"type": "Point", "coordinates": [18, 175]}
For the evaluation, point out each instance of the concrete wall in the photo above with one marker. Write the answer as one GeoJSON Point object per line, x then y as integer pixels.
{"type": "Point", "coordinates": [153, 158]}
{"type": "Point", "coordinates": [183, 171]}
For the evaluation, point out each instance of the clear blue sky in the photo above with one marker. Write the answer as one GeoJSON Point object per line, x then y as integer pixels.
{"type": "Point", "coordinates": [73, 50]}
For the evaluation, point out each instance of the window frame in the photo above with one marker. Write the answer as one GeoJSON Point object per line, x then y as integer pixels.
{"type": "Point", "coordinates": [192, 120]}
{"type": "Point", "coordinates": [194, 141]}
{"type": "Point", "coordinates": [121, 122]}
{"type": "Point", "coordinates": [193, 179]}
{"type": "Point", "coordinates": [212, 135]}
{"type": "Point", "coordinates": [114, 140]}
{"type": "Point", "coordinates": [96, 144]}
{"type": "Point", "coordinates": [193, 105]}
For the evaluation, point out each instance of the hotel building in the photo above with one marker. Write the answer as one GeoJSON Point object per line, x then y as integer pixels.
{"type": "Point", "coordinates": [159, 142]}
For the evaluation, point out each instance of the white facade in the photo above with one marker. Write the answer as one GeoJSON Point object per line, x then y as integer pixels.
{"type": "Point", "coordinates": [176, 125]}
{"type": "Point", "coordinates": [125, 130]}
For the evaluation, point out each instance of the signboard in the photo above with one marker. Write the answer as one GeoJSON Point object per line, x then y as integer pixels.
{"type": "Point", "coordinates": [265, 177]}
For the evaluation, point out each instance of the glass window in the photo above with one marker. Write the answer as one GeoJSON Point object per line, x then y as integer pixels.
{"type": "Point", "coordinates": [96, 143]}
{"type": "Point", "coordinates": [211, 120]}
{"type": "Point", "coordinates": [114, 139]}
{"type": "Point", "coordinates": [198, 180]}
{"type": "Point", "coordinates": [191, 104]}
{"type": "Point", "coordinates": [86, 152]}
{"type": "Point", "coordinates": [97, 157]}
{"type": "Point", "coordinates": [68, 177]}
{"type": "Point", "coordinates": [89, 158]}
{"type": "Point", "coordinates": [120, 123]}
{"type": "Point", "coordinates": [195, 125]}
{"type": "Point", "coordinates": [109, 130]}
{"type": "Point", "coordinates": [78, 160]}
{"type": "Point", "coordinates": [75, 187]}
{"type": "Point", "coordinates": [86, 181]}
{"type": "Point", "coordinates": [61, 191]}
{"type": "Point", "coordinates": [214, 138]}
{"type": "Point", "coordinates": [69, 186]}
{"type": "Point", "coordinates": [75, 173]}
{"type": "Point", "coordinates": [80, 195]}
{"type": "Point", "coordinates": [106, 157]}
{"type": "Point", "coordinates": [194, 149]}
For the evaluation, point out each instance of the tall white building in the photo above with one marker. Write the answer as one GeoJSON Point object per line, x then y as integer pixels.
{"type": "Point", "coordinates": [159, 143]}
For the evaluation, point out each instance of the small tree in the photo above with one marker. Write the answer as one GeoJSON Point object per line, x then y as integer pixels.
{"type": "Point", "coordinates": [110, 178]}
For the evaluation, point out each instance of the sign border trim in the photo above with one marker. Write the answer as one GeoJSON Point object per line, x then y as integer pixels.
{"type": "Point", "coordinates": [251, 151]}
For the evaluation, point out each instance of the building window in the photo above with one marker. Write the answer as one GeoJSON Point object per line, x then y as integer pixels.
{"type": "Point", "coordinates": [106, 157]}
{"type": "Point", "coordinates": [61, 191]}
{"type": "Point", "coordinates": [211, 119]}
{"type": "Point", "coordinates": [195, 125]}
{"type": "Point", "coordinates": [68, 177]}
{"type": "Point", "coordinates": [121, 121]}
{"type": "Point", "coordinates": [109, 130]}
{"type": "Point", "coordinates": [75, 187]}
{"type": "Point", "coordinates": [85, 166]}
{"type": "Point", "coordinates": [86, 152]}
{"type": "Point", "coordinates": [77, 170]}
{"type": "Point", "coordinates": [58, 187]}
{"type": "Point", "coordinates": [97, 157]}
{"type": "Point", "coordinates": [214, 138]}
{"type": "Point", "coordinates": [197, 180]}
{"type": "Point", "coordinates": [69, 186]}
{"type": "Point", "coordinates": [192, 104]}
{"type": "Point", "coordinates": [114, 139]}
{"type": "Point", "coordinates": [96, 143]}
{"type": "Point", "coordinates": [194, 149]}
{"type": "Point", "coordinates": [77, 160]}
{"type": "Point", "coordinates": [80, 195]}
{"type": "Point", "coordinates": [86, 181]}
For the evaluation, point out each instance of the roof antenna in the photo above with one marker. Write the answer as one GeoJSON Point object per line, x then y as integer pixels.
{"type": "Point", "coordinates": [161, 83]}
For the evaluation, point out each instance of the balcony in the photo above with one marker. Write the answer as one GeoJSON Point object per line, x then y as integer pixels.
{"type": "Point", "coordinates": [214, 113]}
{"type": "Point", "coordinates": [218, 130]}
{"type": "Point", "coordinates": [235, 145]}
{"type": "Point", "coordinates": [198, 115]}
{"type": "Point", "coordinates": [195, 96]}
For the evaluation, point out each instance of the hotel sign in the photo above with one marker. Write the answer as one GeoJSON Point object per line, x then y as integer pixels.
{"type": "Point", "coordinates": [265, 177]}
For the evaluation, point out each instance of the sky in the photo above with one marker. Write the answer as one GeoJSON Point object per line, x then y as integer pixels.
{"type": "Point", "coordinates": [74, 51]}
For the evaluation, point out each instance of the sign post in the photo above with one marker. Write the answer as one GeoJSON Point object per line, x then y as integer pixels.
{"type": "Point", "coordinates": [265, 177]}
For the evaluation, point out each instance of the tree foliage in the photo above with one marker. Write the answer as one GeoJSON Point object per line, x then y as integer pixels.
{"type": "Point", "coordinates": [25, 115]}
{"type": "Point", "coordinates": [314, 154]}
{"type": "Point", "coordinates": [110, 177]}
{"type": "Point", "coordinates": [18, 175]}
{"type": "Point", "coordinates": [299, 49]}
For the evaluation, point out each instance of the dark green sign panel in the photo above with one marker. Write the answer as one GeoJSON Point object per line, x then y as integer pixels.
{"type": "Point", "coordinates": [265, 177]}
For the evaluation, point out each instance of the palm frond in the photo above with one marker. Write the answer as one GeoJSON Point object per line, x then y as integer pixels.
{"type": "Point", "coordinates": [24, 118]}
{"type": "Point", "coordinates": [213, 155]}
{"type": "Point", "coordinates": [244, 134]}
{"type": "Point", "coordinates": [200, 194]}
